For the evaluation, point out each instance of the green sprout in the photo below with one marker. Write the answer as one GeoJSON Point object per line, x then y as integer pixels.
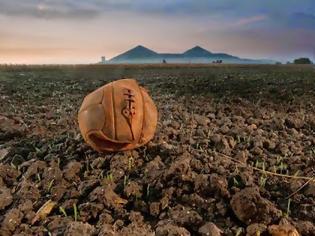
{"type": "Point", "coordinates": [288, 207]}
{"type": "Point", "coordinates": [148, 190]}
{"type": "Point", "coordinates": [75, 212]}
{"type": "Point", "coordinates": [145, 154]}
{"type": "Point", "coordinates": [109, 176]}
{"type": "Point", "coordinates": [130, 163]}
{"type": "Point", "coordinates": [62, 210]}
{"type": "Point", "coordinates": [38, 177]}
{"type": "Point", "coordinates": [239, 232]}
{"type": "Point", "coordinates": [50, 185]}
{"type": "Point", "coordinates": [125, 180]}
{"type": "Point", "coordinates": [263, 178]}
{"type": "Point", "coordinates": [296, 173]}
{"type": "Point", "coordinates": [262, 181]}
{"type": "Point", "coordinates": [236, 182]}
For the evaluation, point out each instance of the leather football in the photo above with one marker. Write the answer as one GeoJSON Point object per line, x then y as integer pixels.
{"type": "Point", "coordinates": [118, 116]}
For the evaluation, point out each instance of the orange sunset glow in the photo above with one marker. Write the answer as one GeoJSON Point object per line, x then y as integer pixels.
{"type": "Point", "coordinates": [44, 32]}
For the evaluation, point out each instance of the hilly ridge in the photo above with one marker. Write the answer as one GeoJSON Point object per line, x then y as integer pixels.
{"type": "Point", "coordinates": [197, 51]}
{"type": "Point", "coordinates": [197, 54]}
{"type": "Point", "coordinates": [137, 52]}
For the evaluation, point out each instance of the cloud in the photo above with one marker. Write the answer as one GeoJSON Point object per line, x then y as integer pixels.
{"type": "Point", "coordinates": [250, 20]}
{"type": "Point", "coordinates": [202, 8]}
{"type": "Point", "coordinates": [47, 9]}
{"type": "Point", "coordinates": [265, 43]}
{"type": "Point", "coordinates": [90, 28]}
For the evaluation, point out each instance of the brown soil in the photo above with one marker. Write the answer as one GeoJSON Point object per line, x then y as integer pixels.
{"type": "Point", "coordinates": [178, 184]}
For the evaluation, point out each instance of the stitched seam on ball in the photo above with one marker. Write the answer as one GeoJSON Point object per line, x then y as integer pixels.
{"type": "Point", "coordinates": [107, 138]}
{"type": "Point", "coordinates": [143, 115]}
{"type": "Point", "coordinates": [114, 113]}
{"type": "Point", "coordinates": [103, 109]}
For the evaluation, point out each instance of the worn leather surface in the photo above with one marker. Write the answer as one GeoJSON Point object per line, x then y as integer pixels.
{"type": "Point", "coordinates": [118, 116]}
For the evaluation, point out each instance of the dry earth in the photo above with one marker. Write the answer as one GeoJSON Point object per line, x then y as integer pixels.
{"type": "Point", "coordinates": [183, 182]}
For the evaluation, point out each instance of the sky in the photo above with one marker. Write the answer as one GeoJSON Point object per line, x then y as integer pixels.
{"type": "Point", "coordinates": [81, 31]}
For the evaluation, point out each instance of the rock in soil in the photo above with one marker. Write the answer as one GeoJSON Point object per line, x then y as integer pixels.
{"type": "Point", "coordinates": [185, 216]}
{"type": "Point", "coordinates": [250, 207]}
{"type": "Point", "coordinates": [171, 230]}
{"type": "Point", "coordinates": [79, 228]}
{"type": "Point", "coordinates": [107, 230]}
{"type": "Point", "coordinates": [210, 229]}
{"type": "Point", "coordinates": [11, 221]}
{"type": "Point", "coordinates": [178, 183]}
{"type": "Point", "coordinates": [282, 230]}
{"type": "Point", "coordinates": [305, 227]}
{"type": "Point", "coordinates": [256, 229]}
{"type": "Point", "coordinates": [310, 190]}
{"type": "Point", "coordinates": [5, 197]}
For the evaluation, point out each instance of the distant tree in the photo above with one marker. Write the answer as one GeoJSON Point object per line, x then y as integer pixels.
{"type": "Point", "coordinates": [278, 63]}
{"type": "Point", "coordinates": [164, 61]}
{"type": "Point", "coordinates": [302, 60]}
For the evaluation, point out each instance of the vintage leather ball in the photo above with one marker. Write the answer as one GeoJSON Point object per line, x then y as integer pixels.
{"type": "Point", "coordinates": [118, 116]}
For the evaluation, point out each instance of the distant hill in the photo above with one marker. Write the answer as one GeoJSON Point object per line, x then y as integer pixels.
{"type": "Point", "coordinates": [197, 54]}
{"type": "Point", "coordinates": [138, 52]}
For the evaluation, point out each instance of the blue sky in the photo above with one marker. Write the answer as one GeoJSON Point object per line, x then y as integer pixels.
{"type": "Point", "coordinates": [78, 31]}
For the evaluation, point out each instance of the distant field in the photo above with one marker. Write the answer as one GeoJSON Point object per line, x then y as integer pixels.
{"type": "Point", "coordinates": [216, 122]}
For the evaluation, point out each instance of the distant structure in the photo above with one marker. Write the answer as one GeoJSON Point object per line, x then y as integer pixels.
{"type": "Point", "coordinates": [103, 60]}
{"type": "Point", "coordinates": [217, 62]}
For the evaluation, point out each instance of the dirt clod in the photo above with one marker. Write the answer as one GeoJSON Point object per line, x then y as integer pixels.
{"type": "Point", "coordinates": [79, 228]}
{"type": "Point", "coordinates": [210, 229]}
{"type": "Point", "coordinates": [256, 229]}
{"type": "Point", "coordinates": [305, 227]}
{"type": "Point", "coordinates": [171, 230]}
{"type": "Point", "coordinates": [250, 207]}
{"type": "Point", "coordinates": [177, 184]}
{"type": "Point", "coordinates": [282, 230]}
{"type": "Point", "coordinates": [11, 220]}
{"type": "Point", "coordinates": [5, 197]}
